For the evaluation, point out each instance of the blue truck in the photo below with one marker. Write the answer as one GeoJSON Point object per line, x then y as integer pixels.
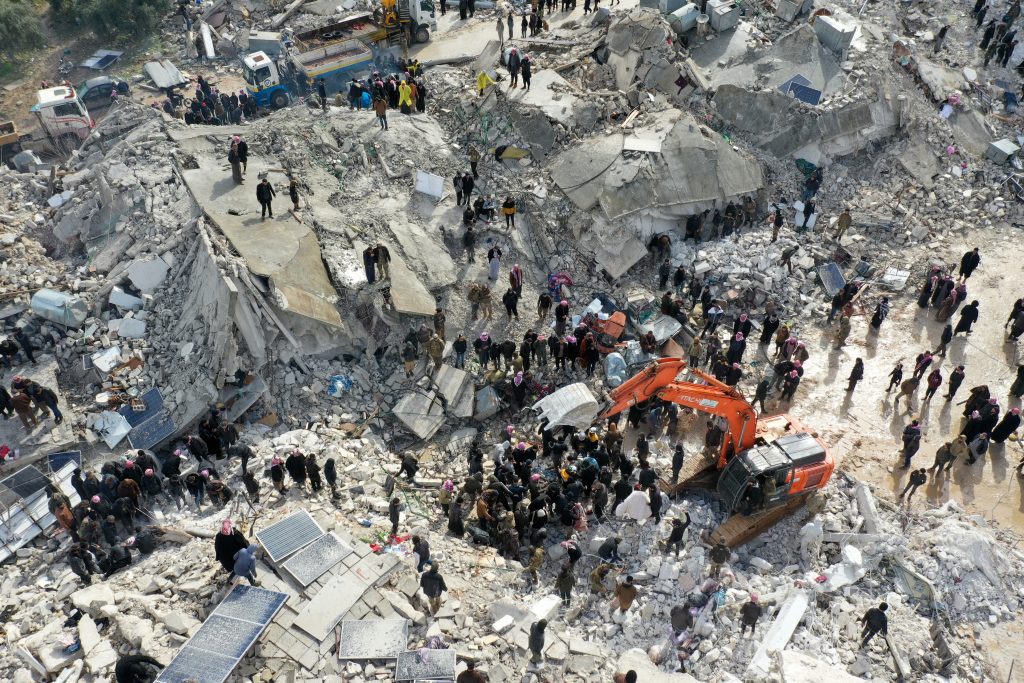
{"type": "Point", "coordinates": [274, 82]}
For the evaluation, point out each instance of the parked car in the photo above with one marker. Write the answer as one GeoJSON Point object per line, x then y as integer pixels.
{"type": "Point", "coordinates": [97, 93]}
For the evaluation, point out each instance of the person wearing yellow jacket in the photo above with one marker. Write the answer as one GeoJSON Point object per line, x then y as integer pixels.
{"type": "Point", "coordinates": [405, 97]}
{"type": "Point", "coordinates": [483, 80]}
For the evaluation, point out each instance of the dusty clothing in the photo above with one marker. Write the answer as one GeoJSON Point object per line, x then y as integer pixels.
{"type": "Point", "coordinates": [625, 593]}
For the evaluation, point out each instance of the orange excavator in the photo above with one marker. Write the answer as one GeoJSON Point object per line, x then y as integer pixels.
{"type": "Point", "coordinates": [766, 467]}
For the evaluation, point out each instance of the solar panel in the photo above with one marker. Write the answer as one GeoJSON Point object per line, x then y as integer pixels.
{"type": "Point", "coordinates": [192, 665]}
{"type": "Point", "coordinates": [373, 639]}
{"type": "Point", "coordinates": [154, 401]}
{"type": "Point", "coordinates": [58, 460]}
{"type": "Point", "coordinates": [251, 604]}
{"type": "Point", "coordinates": [425, 665]}
{"type": "Point", "coordinates": [310, 563]}
{"type": "Point", "coordinates": [796, 80]}
{"type": "Point", "coordinates": [25, 482]}
{"type": "Point", "coordinates": [151, 432]}
{"type": "Point", "coordinates": [805, 94]}
{"type": "Point", "coordinates": [214, 651]}
{"type": "Point", "coordinates": [285, 537]}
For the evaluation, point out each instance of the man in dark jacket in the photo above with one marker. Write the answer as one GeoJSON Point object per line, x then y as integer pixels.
{"type": "Point", "coordinates": [421, 547]}
{"type": "Point", "coordinates": [874, 621]}
{"type": "Point", "coordinates": [536, 640]}
{"type": "Point", "coordinates": [433, 585]}
{"type": "Point", "coordinates": [137, 669]}
{"type": "Point", "coordinates": [264, 195]}
{"type": "Point", "coordinates": [750, 612]}
{"type": "Point", "coordinates": [969, 262]}
{"type": "Point", "coordinates": [968, 316]}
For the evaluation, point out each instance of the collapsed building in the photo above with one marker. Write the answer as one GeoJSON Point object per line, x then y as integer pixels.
{"type": "Point", "coordinates": [625, 133]}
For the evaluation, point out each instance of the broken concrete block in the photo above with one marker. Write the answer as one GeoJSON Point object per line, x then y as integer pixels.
{"type": "Point", "coordinates": [91, 598]}
{"type": "Point", "coordinates": [148, 274]}
{"type": "Point", "coordinates": [503, 624]}
{"type": "Point", "coordinates": [179, 623]}
{"type": "Point", "coordinates": [123, 300]}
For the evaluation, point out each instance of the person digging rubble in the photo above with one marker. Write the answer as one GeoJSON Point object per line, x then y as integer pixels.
{"type": "Point", "coordinates": [471, 675]}
{"type": "Point", "coordinates": [245, 564]}
{"type": "Point", "coordinates": [625, 594]}
{"type": "Point", "coordinates": [874, 621]}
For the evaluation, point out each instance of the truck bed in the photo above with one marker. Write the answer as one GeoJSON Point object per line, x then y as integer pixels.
{"type": "Point", "coordinates": [331, 57]}
{"type": "Point", "coordinates": [353, 26]}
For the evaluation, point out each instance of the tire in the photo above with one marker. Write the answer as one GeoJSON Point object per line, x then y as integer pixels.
{"type": "Point", "coordinates": [421, 35]}
{"type": "Point", "coordinates": [279, 100]}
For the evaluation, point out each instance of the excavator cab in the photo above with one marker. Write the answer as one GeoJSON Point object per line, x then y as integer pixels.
{"type": "Point", "coordinates": [770, 473]}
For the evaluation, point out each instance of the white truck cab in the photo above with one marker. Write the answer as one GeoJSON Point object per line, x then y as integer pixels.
{"type": "Point", "coordinates": [62, 115]}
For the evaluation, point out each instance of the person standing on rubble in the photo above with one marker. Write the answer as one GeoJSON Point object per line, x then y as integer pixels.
{"type": "Point", "coordinates": [235, 159]}
{"type": "Point", "coordinates": [433, 585]}
{"type": "Point", "coordinates": [750, 612]}
{"type": "Point", "coordinates": [467, 186]}
{"type": "Point", "coordinates": [265, 195]}
{"type": "Point", "coordinates": [777, 221]}
{"type": "Point", "coordinates": [382, 259]}
{"type": "Point", "coordinates": [880, 314]}
{"type": "Point", "coordinates": [843, 224]}
{"type": "Point", "coordinates": [527, 69]}
{"type": "Point", "coordinates": [321, 91]}
{"type": "Point", "coordinates": [501, 30]}
{"type": "Point", "coordinates": [874, 621]}
{"type": "Point", "coordinates": [515, 62]}
{"type": "Point", "coordinates": [508, 209]}
{"type": "Point", "coordinates": [380, 108]}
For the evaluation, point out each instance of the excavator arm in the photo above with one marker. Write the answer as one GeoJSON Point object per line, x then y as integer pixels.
{"type": "Point", "coordinates": [708, 395]}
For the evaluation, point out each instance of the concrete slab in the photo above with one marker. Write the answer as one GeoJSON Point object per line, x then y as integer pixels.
{"type": "Point", "coordinates": [408, 293]}
{"type": "Point", "coordinates": [452, 383]}
{"type": "Point", "coordinates": [421, 412]}
{"type": "Point", "coordinates": [617, 259]}
{"type": "Point", "coordinates": [550, 93]}
{"type": "Point", "coordinates": [373, 569]}
{"type": "Point", "coordinates": [320, 616]}
{"type": "Point", "coordinates": [280, 248]}
{"type": "Point", "coordinates": [920, 162]}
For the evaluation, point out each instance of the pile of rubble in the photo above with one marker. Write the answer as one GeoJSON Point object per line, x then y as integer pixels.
{"type": "Point", "coordinates": [940, 572]}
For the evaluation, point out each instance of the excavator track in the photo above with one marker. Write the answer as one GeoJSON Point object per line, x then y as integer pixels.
{"type": "Point", "coordinates": [740, 529]}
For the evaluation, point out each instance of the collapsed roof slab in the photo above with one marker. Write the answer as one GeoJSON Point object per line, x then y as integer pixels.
{"type": "Point", "coordinates": [280, 249]}
{"type": "Point", "coordinates": [797, 52]}
{"type": "Point", "coordinates": [550, 93]}
{"type": "Point", "coordinates": [782, 126]}
{"type": "Point", "coordinates": [695, 170]}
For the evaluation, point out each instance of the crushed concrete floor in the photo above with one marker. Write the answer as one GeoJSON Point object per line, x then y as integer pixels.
{"type": "Point", "coordinates": [172, 282]}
